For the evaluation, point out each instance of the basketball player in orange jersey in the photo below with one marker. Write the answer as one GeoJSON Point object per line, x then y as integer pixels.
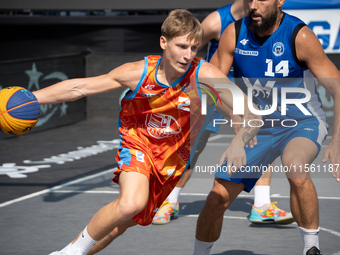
{"type": "Point", "coordinates": [160, 115]}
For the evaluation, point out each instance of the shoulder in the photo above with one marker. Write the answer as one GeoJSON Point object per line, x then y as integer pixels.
{"type": "Point", "coordinates": [307, 43]}
{"type": "Point", "coordinates": [128, 73]}
{"type": "Point", "coordinates": [208, 70]}
{"type": "Point", "coordinates": [305, 34]}
{"type": "Point", "coordinates": [130, 68]}
{"type": "Point", "coordinates": [229, 34]}
{"type": "Point", "coordinates": [310, 50]}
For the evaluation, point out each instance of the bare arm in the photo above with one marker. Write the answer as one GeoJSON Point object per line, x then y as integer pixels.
{"type": "Point", "coordinates": [126, 75]}
{"type": "Point", "coordinates": [239, 9]}
{"type": "Point", "coordinates": [235, 153]}
{"type": "Point", "coordinates": [309, 50]}
{"type": "Point", "coordinates": [212, 28]}
{"type": "Point", "coordinates": [223, 57]}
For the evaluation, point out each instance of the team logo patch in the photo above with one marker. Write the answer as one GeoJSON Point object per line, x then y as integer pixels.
{"type": "Point", "coordinates": [161, 125]}
{"type": "Point", "coordinates": [149, 86]}
{"type": "Point", "coordinates": [244, 41]}
{"type": "Point", "coordinates": [278, 49]}
{"type": "Point", "coordinates": [186, 88]}
{"type": "Point", "coordinates": [140, 156]}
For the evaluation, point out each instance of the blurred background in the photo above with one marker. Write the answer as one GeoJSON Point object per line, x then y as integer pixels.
{"type": "Point", "coordinates": [44, 42]}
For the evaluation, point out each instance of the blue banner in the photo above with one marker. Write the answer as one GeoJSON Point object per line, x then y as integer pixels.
{"type": "Point", "coordinates": [311, 4]}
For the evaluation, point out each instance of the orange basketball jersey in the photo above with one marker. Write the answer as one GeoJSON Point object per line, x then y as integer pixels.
{"type": "Point", "coordinates": [158, 121]}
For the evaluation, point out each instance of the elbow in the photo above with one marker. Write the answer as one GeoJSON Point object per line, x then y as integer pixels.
{"type": "Point", "coordinates": [76, 94]}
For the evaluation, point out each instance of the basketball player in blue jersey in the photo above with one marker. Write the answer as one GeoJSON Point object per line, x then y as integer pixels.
{"type": "Point", "coordinates": [263, 210]}
{"type": "Point", "coordinates": [272, 51]}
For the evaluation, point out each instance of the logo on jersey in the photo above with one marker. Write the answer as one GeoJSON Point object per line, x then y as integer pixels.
{"type": "Point", "coordinates": [244, 41]}
{"type": "Point", "coordinates": [278, 49]}
{"type": "Point", "coordinates": [140, 156]}
{"type": "Point", "coordinates": [149, 86]}
{"type": "Point", "coordinates": [186, 88]}
{"type": "Point", "coordinates": [161, 125]}
{"type": "Point", "coordinates": [246, 52]}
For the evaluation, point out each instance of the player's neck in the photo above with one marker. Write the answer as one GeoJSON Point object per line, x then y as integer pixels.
{"type": "Point", "coordinates": [166, 74]}
{"type": "Point", "coordinates": [271, 30]}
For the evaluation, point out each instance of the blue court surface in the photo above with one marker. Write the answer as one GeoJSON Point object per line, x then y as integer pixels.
{"type": "Point", "coordinates": [52, 183]}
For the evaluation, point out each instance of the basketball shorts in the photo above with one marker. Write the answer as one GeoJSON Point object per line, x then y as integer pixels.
{"type": "Point", "coordinates": [130, 160]}
{"type": "Point", "coordinates": [271, 143]}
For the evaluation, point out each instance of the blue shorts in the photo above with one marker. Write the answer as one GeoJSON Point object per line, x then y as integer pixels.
{"type": "Point", "coordinates": [271, 143]}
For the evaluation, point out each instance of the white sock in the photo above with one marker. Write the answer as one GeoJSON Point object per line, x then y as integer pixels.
{"type": "Point", "coordinates": [310, 238]}
{"type": "Point", "coordinates": [202, 248]}
{"type": "Point", "coordinates": [261, 195]}
{"type": "Point", "coordinates": [84, 242]}
{"type": "Point", "coordinates": [173, 196]}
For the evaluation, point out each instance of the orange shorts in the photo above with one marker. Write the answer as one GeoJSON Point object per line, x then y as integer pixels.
{"type": "Point", "coordinates": [130, 160]}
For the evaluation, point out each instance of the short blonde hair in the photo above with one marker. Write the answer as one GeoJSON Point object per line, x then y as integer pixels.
{"type": "Point", "coordinates": [181, 22]}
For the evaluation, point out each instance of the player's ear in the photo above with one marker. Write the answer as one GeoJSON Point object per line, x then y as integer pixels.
{"type": "Point", "coordinates": [163, 42]}
{"type": "Point", "coordinates": [280, 3]}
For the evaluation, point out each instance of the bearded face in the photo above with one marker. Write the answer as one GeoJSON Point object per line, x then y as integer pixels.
{"type": "Point", "coordinates": [264, 21]}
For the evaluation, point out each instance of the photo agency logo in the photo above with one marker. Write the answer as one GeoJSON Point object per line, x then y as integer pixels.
{"type": "Point", "coordinates": [204, 97]}
{"type": "Point", "coordinates": [268, 100]}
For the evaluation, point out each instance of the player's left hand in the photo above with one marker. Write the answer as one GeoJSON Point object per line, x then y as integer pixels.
{"type": "Point", "coordinates": [332, 152]}
{"type": "Point", "coordinates": [235, 156]}
{"type": "Point", "coordinates": [236, 127]}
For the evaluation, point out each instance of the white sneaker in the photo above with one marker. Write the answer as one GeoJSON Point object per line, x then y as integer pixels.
{"type": "Point", "coordinates": [68, 251]}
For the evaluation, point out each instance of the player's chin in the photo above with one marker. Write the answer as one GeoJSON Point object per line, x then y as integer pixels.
{"type": "Point", "coordinates": [183, 67]}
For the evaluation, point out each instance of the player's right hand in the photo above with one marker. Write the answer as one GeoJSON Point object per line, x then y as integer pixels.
{"type": "Point", "coordinates": [235, 156]}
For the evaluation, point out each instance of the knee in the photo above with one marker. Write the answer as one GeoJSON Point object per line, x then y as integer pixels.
{"type": "Point", "coordinates": [298, 183]}
{"type": "Point", "coordinates": [298, 170]}
{"type": "Point", "coordinates": [217, 202]}
{"type": "Point", "coordinates": [128, 208]}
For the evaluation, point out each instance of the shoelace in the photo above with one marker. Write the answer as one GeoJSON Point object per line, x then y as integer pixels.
{"type": "Point", "coordinates": [273, 206]}
{"type": "Point", "coordinates": [165, 207]}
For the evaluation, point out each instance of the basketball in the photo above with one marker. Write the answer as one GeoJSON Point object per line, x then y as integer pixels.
{"type": "Point", "coordinates": [19, 110]}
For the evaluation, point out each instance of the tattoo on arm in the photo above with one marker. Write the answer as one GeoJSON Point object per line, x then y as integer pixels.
{"type": "Point", "coordinates": [250, 132]}
{"type": "Point", "coordinates": [246, 137]}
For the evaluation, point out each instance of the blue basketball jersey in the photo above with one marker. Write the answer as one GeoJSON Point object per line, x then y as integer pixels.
{"type": "Point", "coordinates": [226, 19]}
{"type": "Point", "coordinates": [272, 69]}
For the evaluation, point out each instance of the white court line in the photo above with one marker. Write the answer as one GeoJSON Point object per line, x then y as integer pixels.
{"type": "Point", "coordinates": [245, 218]}
{"type": "Point", "coordinates": [215, 137]}
{"type": "Point", "coordinates": [55, 188]}
{"type": "Point", "coordinates": [182, 194]}
{"type": "Point", "coordinates": [227, 144]}
{"type": "Point", "coordinates": [232, 136]}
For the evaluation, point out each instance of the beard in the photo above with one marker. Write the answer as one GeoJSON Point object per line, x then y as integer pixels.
{"type": "Point", "coordinates": [258, 27]}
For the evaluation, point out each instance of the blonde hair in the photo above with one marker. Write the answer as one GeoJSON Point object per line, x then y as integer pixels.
{"type": "Point", "coordinates": [181, 22]}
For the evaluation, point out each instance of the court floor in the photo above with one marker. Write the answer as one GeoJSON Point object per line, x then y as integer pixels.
{"type": "Point", "coordinates": [51, 190]}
